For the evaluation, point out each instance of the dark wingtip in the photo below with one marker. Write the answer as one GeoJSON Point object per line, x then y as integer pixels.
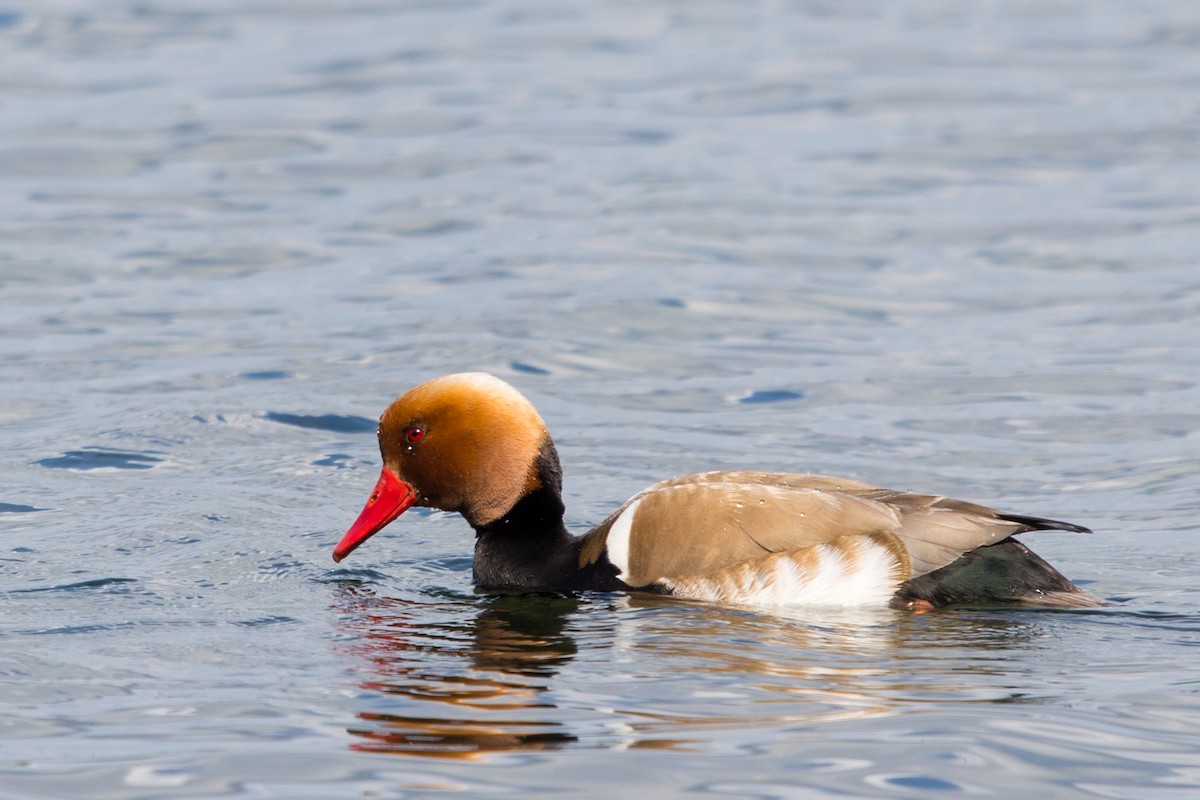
{"type": "Point", "coordinates": [1043, 524]}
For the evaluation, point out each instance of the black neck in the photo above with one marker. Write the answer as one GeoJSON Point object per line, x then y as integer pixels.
{"type": "Point", "coordinates": [529, 548]}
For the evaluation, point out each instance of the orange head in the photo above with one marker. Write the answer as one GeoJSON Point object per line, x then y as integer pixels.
{"type": "Point", "coordinates": [467, 443]}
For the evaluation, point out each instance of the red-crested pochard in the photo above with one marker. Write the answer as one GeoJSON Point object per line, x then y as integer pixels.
{"type": "Point", "coordinates": [471, 443]}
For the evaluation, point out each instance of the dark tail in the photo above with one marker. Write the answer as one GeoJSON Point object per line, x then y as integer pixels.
{"type": "Point", "coordinates": [1002, 573]}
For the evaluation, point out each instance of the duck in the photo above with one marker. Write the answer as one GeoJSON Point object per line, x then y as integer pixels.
{"type": "Point", "coordinates": [471, 443]}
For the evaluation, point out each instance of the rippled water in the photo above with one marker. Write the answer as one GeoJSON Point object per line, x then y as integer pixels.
{"type": "Point", "coordinates": [929, 245]}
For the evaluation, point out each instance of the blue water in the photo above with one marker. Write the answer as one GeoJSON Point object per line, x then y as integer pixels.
{"type": "Point", "coordinates": [931, 245]}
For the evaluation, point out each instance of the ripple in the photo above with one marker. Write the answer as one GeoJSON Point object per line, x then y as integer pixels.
{"type": "Point", "coordinates": [268, 375]}
{"type": "Point", "coordinates": [17, 508]}
{"type": "Point", "coordinates": [910, 782]}
{"type": "Point", "coordinates": [528, 369]}
{"type": "Point", "coordinates": [264, 621]}
{"type": "Point", "coordinates": [337, 423]}
{"type": "Point", "coordinates": [91, 458]}
{"type": "Point", "coordinates": [770, 396]}
{"type": "Point", "coordinates": [335, 460]}
{"type": "Point", "coordinates": [359, 575]}
{"type": "Point", "coordinates": [97, 583]}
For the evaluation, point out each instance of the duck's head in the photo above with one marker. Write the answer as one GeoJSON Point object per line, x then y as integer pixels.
{"type": "Point", "coordinates": [468, 443]}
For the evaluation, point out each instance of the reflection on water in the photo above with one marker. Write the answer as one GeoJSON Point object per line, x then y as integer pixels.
{"type": "Point", "coordinates": [469, 677]}
{"type": "Point", "coordinates": [482, 684]}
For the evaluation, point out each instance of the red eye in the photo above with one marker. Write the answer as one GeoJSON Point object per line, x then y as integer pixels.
{"type": "Point", "coordinates": [414, 434]}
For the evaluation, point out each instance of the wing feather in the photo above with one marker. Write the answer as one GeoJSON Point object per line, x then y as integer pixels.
{"type": "Point", "coordinates": [698, 524]}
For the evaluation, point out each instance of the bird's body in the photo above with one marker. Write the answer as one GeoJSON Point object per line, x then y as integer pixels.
{"type": "Point", "coordinates": [473, 444]}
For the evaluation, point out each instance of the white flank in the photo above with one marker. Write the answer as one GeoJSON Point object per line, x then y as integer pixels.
{"type": "Point", "coordinates": [780, 580]}
{"type": "Point", "coordinates": [618, 539]}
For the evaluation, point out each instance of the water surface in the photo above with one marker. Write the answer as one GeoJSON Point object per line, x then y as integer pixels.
{"type": "Point", "coordinates": [931, 246]}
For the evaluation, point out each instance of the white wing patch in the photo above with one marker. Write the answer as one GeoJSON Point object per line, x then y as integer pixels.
{"type": "Point", "coordinates": [617, 541]}
{"type": "Point", "coordinates": [822, 575]}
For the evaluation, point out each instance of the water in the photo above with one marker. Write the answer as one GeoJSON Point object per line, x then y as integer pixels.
{"type": "Point", "coordinates": [929, 245]}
